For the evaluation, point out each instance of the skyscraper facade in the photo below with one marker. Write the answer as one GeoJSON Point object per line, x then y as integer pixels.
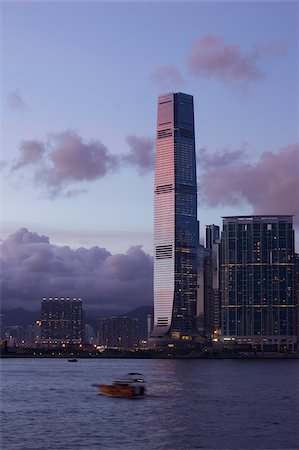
{"type": "Point", "coordinates": [258, 285]}
{"type": "Point", "coordinates": [175, 219]}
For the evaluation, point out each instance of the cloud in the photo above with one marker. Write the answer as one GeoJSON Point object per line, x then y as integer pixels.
{"type": "Point", "coordinates": [219, 159]}
{"type": "Point", "coordinates": [15, 100]}
{"type": "Point", "coordinates": [211, 56]}
{"type": "Point", "coordinates": [64, 163]}
{"type": "Point", "coordinates": [271, 186]}
{"type": "Point", "coordinates": [141, 155]}
{"type": "Point", "coordinates": [167, 76]}
{"type": "Point", "coordinates": [33, 268]}
{"type": "Point", "coordinates": [66, 159]}
{"type": "Point", "coordinates": [31, 152]}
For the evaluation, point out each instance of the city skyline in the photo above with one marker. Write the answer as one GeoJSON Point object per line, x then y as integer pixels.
{"type": "Point", "coordinates": [95, 100]}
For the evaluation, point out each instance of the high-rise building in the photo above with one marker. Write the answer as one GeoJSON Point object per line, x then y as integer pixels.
{"type": "Point", "coordinates": [118, 332]}
{"type": "Point", "coordinates": [212, 281]}
{"type": "Point", "coordinates": [62, 321]}
{"type": "Point", "coordinates": [175, 222]}
{"type": "Point", "coordinates": [258, 281]}
{"type": "Point", "coordinates": [212, 235]}
{"type": "Point", "coordinates": [200, 302]}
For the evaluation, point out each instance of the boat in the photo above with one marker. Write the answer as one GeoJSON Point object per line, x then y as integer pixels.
{"type": "Point", "coordinates": [72, 360]}
{"type": "Point", "coordinates": [131, 385]}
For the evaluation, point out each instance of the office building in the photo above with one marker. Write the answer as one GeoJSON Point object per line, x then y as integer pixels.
{"type": "Point", "coordinates": [258, 281]}
{"type": "Point", "coordinates": [212, 281]}
{"type": "Point", "coordinates": [175, 219]}
{"type": "Point", "coordinates": [212, 235]}
{"type": "Point", "coordinates": [119, 332]}
{"type": "Point", "coordinates": [200, 301]}
{"type": "Point", "coordinates": [62, 321]}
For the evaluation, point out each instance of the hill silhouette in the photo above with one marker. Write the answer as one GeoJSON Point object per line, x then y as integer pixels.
{"type": "Point", "coordinates": [22, 317]}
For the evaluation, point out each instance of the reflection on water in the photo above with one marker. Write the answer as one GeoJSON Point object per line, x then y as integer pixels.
{"type": "Point", "coordinates": [191, 404]}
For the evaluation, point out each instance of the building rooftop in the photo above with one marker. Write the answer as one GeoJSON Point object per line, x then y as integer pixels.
{"type": "Point", "coordinates": [260, 216]}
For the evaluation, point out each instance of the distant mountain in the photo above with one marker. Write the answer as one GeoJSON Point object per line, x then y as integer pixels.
{"type": "Point", "coordinates": [140, 313]}
{"type": "Point", "coordinates": [21, 317]}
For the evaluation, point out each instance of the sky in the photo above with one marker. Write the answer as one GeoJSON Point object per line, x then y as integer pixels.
{"type": "Point", "coordinates": [79, 84]}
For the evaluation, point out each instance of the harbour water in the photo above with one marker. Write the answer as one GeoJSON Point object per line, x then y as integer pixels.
{"type": "Point", "coordinates": [191, 404]}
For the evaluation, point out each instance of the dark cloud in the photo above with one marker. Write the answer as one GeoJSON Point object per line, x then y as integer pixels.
{"type": "Point", "coordinates": [31, 152]}
{"type": "Point", "coordinates": [167, 76]}
{"type": "Point", "coordinates": [212, 57]}
{"type": "Point", "coordinates": [15, 100]}
{"type": "Point", "coordinates": [32, 268]}
{"type": "Point", "coordinates": [271, 186]}
{"type": "Point", "coordinates": [142, 154]}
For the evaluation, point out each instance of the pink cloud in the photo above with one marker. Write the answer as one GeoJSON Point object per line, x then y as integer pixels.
{"type": "Point", "coordinates": [141, 153]}
{"type": "Point", "coordinates": [271, 186]}
{"type": "Point", "coordinates": [75, 160]}
{"type": "Point", "coordinates": [212, 57]}
{"type": "Point", "coordinates": [65, 159]}
{"type": "Point", "coordinates": [31, 152]}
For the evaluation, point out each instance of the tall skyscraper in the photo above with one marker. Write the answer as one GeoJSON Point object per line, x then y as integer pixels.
{"type": "Point", "coordinates": [176, 225]}
{"type": "Point", "coordinates": [258, 285]}
{"type": "Point", "coordinates": [62, 321]}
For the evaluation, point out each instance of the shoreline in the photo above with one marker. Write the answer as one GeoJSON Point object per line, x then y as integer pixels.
{"type": "Point", "coordinates": [143, 355]}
